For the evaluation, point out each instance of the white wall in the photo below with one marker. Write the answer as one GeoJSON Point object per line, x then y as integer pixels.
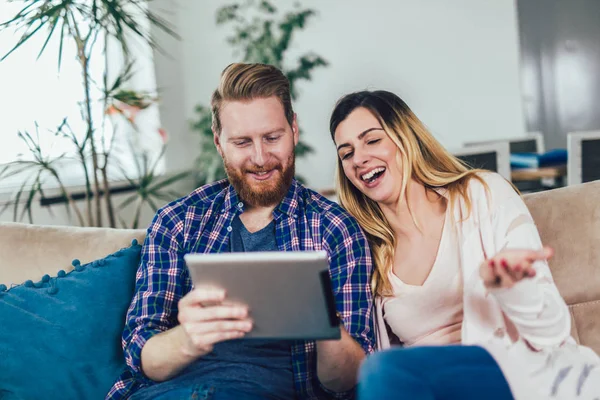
{"type": "Point", "coordinates": [454, 62]}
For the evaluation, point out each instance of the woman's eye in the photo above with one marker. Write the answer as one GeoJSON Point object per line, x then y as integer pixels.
{"type": "Point", "coordinates": [373, 141]}
{"type": "Point", "coordinates": [347, 155]}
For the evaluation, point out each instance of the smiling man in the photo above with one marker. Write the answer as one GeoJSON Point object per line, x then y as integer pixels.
{"type": "Point", "coordinates": [181, 343]}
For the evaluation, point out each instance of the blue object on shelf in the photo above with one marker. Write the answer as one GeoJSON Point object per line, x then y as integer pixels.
{"type": "Point", "coordinates": [534, 160]}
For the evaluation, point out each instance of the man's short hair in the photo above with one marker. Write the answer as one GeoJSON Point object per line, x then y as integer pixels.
{"type": "Point", "coordinates": [245, 82]}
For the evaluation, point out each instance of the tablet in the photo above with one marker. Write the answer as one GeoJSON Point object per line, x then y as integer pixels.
{"type": "Point", "coordinates": [289, 294]}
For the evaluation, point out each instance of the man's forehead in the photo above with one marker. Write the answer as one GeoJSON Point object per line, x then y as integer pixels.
{"type": "Point", "coordinates": [252, 118]}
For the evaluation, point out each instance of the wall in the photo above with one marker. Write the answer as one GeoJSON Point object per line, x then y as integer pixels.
{"type": "Point", "coordinates": [560, 45]}
{"type": "Point", "coordinates": [454, 62]}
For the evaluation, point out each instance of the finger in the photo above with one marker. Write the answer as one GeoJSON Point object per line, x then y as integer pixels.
{"type": "Point", "coordinates": [233, 303]}
{"type": "Point", "coordinates": [491, 278]}
{"type": "Point", "coordinates": [539, 255]}
{"type": "Point", "coordinates": [221, 312]}
{"type": "Point", "coordinates": [529, 272]}
{"type": "Point", "coordinates": [515, 270]}
{"type": "Point", "coordinates": [212, 313]}
{"type": "Point", "coordinates": [244, 325]}
{"type": "Point", "coordinates": [204, 294]}
{"type": "Point", "coordinates": [216, 337]}
{"type": "Point", "coordinates": [548, 251]}
{"type": "Point", "coordinates": [505, 278]}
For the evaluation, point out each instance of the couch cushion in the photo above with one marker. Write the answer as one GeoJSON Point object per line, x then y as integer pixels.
{"type": "Point", "coordinates": [60, 337]}
{"type": "Point", "coordinates": [569, 221]}
{"type": "Point", "coordinates": [58, 244]}
{"type": "Point", "coordinates": [587, 323]}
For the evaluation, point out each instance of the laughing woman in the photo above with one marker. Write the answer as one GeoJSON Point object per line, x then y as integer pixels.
{"type": "Point", "coordinates": [461, 279]}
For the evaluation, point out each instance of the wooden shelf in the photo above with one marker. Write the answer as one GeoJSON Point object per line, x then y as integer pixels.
{"type": "Point", "coordinates": [532, 174]}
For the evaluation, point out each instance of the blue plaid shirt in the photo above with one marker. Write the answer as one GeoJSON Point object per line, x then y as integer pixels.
{"type": "Point", "coordinates": [200, 223]}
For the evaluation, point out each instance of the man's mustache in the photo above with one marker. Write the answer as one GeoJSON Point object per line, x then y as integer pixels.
{"type": "Point", "coordinates": [255, 170]}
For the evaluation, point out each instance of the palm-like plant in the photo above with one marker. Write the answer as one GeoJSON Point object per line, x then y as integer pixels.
{"type": "Point", "coordinates": [86, 24]}
{"type": "Point", "coordinates": [260, 35]}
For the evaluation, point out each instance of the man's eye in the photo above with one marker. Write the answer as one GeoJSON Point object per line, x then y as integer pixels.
{"type": "Point", "coordinates": [272, 138]}
{"type": "Point", "coordinates": [241, 143]}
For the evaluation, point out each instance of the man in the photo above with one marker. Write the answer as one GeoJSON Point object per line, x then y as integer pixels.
{"type": "Point", "coordinates": [177, 341]}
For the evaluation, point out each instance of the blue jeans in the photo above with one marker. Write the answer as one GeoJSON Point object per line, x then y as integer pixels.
{"type": "Point", "coordinates": [432, 373]}
{"type": "Point", "coordinates": [192, 392]}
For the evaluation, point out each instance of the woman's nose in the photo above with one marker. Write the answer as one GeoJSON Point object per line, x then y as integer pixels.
{"type": "Point", "coordinates": [360, 157]}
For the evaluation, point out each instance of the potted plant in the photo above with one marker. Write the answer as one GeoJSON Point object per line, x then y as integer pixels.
{"type": "Point", "coordinates": [91, 27]}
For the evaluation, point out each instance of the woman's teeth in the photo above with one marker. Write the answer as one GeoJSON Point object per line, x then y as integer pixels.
{"type": "Point", "coordinates": [371, 174]}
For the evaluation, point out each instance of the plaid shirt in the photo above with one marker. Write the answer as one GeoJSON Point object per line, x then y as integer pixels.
{"type": "Point", "coordinates": [200, 223]}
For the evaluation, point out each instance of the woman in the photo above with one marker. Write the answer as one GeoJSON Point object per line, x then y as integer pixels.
{"type": "Point", "coordinates": [461, 275]}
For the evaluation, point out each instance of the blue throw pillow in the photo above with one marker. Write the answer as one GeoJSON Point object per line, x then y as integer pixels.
{"type": "Point", "coordinates": [60, 338]}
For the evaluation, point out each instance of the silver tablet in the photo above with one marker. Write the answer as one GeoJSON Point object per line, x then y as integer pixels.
{"type": "Point", "coordinates": [289, 294]}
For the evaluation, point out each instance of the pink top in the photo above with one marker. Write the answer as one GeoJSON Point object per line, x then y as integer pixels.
{"type": "Point", "coordinates": [430, 314]}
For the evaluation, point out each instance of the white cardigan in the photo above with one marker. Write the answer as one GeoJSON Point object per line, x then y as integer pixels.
{"type": "Point", "coordinates": [509, 322]}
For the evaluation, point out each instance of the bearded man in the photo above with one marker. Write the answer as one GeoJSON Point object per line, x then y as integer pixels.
{"type": "Point", "coordinates": [182, 342]}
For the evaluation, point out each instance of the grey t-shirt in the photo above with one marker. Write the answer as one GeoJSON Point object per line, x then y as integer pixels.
{"type": "Point", "coordinates": [259, 367]}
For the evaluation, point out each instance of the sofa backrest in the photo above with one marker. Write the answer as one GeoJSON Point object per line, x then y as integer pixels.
{"type": "Point", "coordinates": [30, 251]}
{"type": "Point", "coordinates": [569, 221]}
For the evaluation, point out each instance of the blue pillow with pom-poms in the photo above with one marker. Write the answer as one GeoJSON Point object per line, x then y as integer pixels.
{"type": "Point", "coordinates": [60, 338]}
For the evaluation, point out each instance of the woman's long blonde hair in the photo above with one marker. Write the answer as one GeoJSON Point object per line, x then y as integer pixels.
{"type": "Point", "coordinates": [421, 157]}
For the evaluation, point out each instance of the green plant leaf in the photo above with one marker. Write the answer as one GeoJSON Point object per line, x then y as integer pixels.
{"type": "Point", "coordinates": [163, 24]}
{"type": "Point", "coordinates": [122, 222]}
{"type": "Point", "coordinates": [267, 7]}
{"type": "Point", "coordinates": [44, 12]}
{"type": "Point", "coordinates": [168, 196]}
{"type": "Point", "coordinates": [32, 192]}
{"type": "Point", "coordinates": [19, 16]}
{"type": "Point", "coordinates": [152, 204]}
{"type": "Point", "coordinates": [227, 13]}
{"type": "Point", "coordinates": [17, 199]}
{"type": "Point", "coordinates": [169, 181]}
{"type": "Point", "coordinates": [303, 149]}
{"type": "Point", "coordinates": [53, 26]}
{"type": "Point", "coordinates": [128, 201]}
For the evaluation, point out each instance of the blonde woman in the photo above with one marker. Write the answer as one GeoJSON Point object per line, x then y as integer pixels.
{"type": "Point", "coordinates": [461, 279]}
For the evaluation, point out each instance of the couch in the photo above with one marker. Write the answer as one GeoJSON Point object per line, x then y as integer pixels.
{"type": "Point", "coordinates": [568, 220]}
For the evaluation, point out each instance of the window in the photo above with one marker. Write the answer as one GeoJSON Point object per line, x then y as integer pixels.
{"type": "Point", "coordinates": [35, 97]}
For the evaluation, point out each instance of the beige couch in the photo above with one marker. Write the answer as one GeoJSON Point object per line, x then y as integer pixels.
{"type": "Point", "coordinates": [568, 220]}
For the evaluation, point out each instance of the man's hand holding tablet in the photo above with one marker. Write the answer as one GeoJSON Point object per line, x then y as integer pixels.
{"type": "Point", "coordinates": [208, 318]}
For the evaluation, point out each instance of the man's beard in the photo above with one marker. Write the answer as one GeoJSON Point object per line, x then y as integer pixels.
{"type": "Point", "coordinates": [262, 193]}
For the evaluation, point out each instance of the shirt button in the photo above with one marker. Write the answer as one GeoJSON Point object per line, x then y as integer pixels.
{"type": "Point", "coordinates": [499, 332]}
{"type": "Point", "coordinates": [229, 229]}
{"type": "Point", "coordinates": [240, 205]}
{"type": "Point", "coordinates": [295, 215]}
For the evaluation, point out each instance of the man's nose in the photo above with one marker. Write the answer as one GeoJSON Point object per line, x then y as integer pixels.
{"type": "Point", "coordinates": [258, 155]}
